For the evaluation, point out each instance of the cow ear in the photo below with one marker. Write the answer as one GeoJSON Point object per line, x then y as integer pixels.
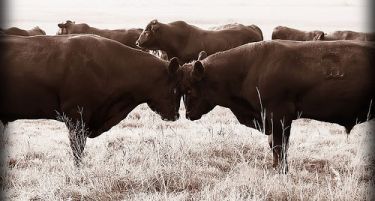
{"type": "Point", "coordinates": [198, 71]}
{"type": "Point", "coordinates": [202, 55]}
{"type": "Point", "coordinates": [173, 66]}
{"type": "Point", "coordinates": [61, 25]}
{"type": "Point", "coordinates": [319, 36]}
{"type": "Point", "coordinates": [155, 27]}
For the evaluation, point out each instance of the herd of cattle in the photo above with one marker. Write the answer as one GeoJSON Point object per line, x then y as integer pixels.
{"type": "Point", "coordinates": [266, 84]}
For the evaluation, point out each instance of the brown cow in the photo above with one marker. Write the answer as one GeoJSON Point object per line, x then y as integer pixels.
{"type": "Point", "coordinates": [45, 75]}
{"type": "Point", "coordinates": [21, 32]}
{"type": "Point", "coordinates": [268, 84]}
{"type": "Point", "coordinates": [234, 26]}
{"type": "Point", "coordinates": [349, 35]}
{"type": "Point", "coordinates": [125, 36]}
{"type": "Point", "coordinates": [185, 41]}
{"type": "Point", "coordinates": [286, 33]}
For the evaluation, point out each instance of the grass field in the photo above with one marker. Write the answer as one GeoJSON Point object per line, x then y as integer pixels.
{"type": "Point", "coordinates": [215, 158]}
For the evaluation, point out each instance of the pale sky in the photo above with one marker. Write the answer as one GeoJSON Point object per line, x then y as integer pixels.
{"type": "Point", "coordinates": [327, 15]}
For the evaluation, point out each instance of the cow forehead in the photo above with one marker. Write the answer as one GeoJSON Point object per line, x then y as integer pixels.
{"type": "Point", "coordinates": [186, 69]}
{"type": "Point", "coordinates": [185, 75]}
{"type": "Point", "coordinates": [148, 27]}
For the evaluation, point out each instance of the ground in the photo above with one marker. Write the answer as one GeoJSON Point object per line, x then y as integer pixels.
{"type": "Point", "coordinates": [215, 158]}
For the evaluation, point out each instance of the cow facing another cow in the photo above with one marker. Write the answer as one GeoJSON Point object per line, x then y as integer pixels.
{"type": "Point", "coordinates": [269, 84]}
{"type": "Point", "coordinates": [184, 41]}
{"type": "Point", "coordinates": [46, 75]}
{"type": "Point", "coordinates": [265, 84]}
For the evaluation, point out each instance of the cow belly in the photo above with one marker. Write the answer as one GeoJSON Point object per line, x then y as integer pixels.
{"type": "Point", "coordinates": [25, 101]}
{"type": "Point", "coordinates": [335, 105]}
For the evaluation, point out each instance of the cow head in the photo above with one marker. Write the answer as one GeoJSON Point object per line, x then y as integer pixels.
{"type": "Point", "coordinates": [149, 37]}
{"type": "Point", "coordinates": [318, 35]}
{"type": "Point", "coordinates": [196, 93]}
{"type": "Point", "coordinates": [70, 27]}
{"type": "Point", "coordinates": [65, 28]}
{"type": "Point", "coordinates": [165, 97]}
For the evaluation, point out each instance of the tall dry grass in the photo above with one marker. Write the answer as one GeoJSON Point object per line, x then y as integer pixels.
{"type": "Point", "coordinates": [215, 158]}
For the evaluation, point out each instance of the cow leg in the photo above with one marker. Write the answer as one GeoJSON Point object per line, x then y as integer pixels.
{"type": "Point", "coordinates": [279, 141]}
{"type": "Point", "coordinates": [278, 126]}
{"type": "Point", "coordinates": [2, 127]}
{"type": "Point", "coordinates": [348, 129]}
{"type": "Point", "coordinates": [78, 132]}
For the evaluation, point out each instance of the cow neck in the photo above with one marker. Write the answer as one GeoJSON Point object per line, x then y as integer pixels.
{"type": "Point", "coordinates": [228, 72]}
{"type": "Point", "coordinates": [146, 72]}
{"type": "Point", "coordinates": [99, 32]}
{"type": "Point", "coordinates": [329, 37]}
{"type": "Point", "coordinates": [86, 29]}
{"type": "Point", "coordinates": [309, 36]}
{"type": "Point", "coordinates": [174, 40]}
{"type": "Point", "coordinates": [226, 77]}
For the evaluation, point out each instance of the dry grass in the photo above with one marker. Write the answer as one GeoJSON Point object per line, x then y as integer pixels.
{"type": "Point", "coordinates": [215, 158]}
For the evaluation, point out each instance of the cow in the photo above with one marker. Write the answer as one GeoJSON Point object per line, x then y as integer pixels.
{"type": "Point", "coordinates": [22, 32]}
{"type": "Point", "coordinates": [349, 35]}
{"type": "Point", "coordinates": [184, 41]}
{"type": "Point", "coordinates": [125, 36]}
{"type": "Point", "coordinates": [235, 25]}
{"type": "Point", "coordinates": [270, 83]}
{"type": "Point", "coordinates": [45, 76]}
{"type": "Point", "coordinates": [286, 33]}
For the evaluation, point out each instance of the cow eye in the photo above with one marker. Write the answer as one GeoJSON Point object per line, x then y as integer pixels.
{"type": "Point", "coordinates": [174, 91]}
{"type": "Point", "coordinates": [188, 92]}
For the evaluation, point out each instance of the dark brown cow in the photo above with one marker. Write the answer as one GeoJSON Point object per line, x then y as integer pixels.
{"type": "Point", "coordinates": [286, 33]}
{"type": "Point", "coordinates": [268, 84]}
{"type": "Point", "coordinates": [125, 36]}
{"type": "Point", "coordinates": [45, 75]}
{"type": "Point", "coordinates": [349, 35]}
{"type": "Point", "coordinates": [21, 32]}
{"type": "Point", "coordinates": [234, 26]}
{"type": "Point", "coordinates": [185, 41]}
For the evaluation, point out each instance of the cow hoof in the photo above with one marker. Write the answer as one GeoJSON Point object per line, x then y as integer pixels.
{"type": "Point", "coordinates": [282, 169]}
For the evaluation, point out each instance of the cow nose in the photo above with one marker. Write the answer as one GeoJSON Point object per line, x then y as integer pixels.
{"type": "Point", "coordinates": [187, 115]}
{"type": "Point", "coordinates": [176, 116]}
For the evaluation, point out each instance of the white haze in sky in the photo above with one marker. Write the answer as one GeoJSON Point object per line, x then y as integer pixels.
{"type": "Point", "coordinates": [326, 15]}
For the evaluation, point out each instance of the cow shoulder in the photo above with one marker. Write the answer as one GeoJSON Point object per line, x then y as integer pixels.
{"type": "Point", "coordinates": [88, 50]}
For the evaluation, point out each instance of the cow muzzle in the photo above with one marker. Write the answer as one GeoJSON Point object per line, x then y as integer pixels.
{"type": "Point", "coordinates": [139, 43]}
{"type": "Point", "coordinates": [172, 118]}
{"type": "Point", "coordinates": [191, 117]}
